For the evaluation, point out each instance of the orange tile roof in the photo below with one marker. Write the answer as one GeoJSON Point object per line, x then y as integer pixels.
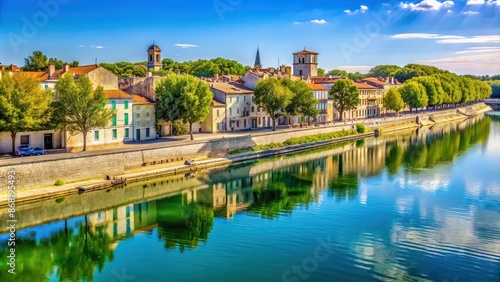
{"type": "Point", "coordinates": [376, 80]}
{"type": "Point", "coordinates": [40, 75]}
{"type": "Point", "coordinates": [117, 94]}
{"type": "Point", "coordinates": [304, 52]}
{"type": "Point", "coordinates": [217, 104]}
{"type": "Point", "coordinates": [231, 88]}
{"type": "Point", "coordinates": [77, 71]}
{"type": "Point", "coordinates": [364, 86]}
{"type": "Point", "coordinates": [314, 86]}
{"type": "Point", "coordinates": [140, 100]}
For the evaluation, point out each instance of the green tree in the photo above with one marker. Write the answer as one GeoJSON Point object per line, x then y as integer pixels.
{"type": "Point", "coordinates": [126, 69]}
{"type": "Point", "coordinates": [356, 75]}
{"type": "Point", "coordinates": [384, 71]}
{"type": "Point", "coordinates": [321, 72]}
{"type": "Point", "coordinates": [79, 107]}
{"type": "Point", "coordinates": [74, 64]}
{"type": "Point", "coordinates": [345, 96]}
{"type": "Point", "coordinates": [58, 63]}
{"type": "Point", "coordinates": [183, 97]}
{"type": "Point", "coordinates": [393, 100]}
{"type": "Point", "coordinates": [36, 62]}
{"type": "Point", "coordinates": [24, 105]}
{"type": "Point", "coordinates": [414, 94]}
{"type": "Point", "coordinates": [272, 96]}
{"type": "Point", "coordinates": [433, 88]}
{"type": "Point", "coordinates": [338, 72]}
{"type": "Point", "coordinates": [303, 102]}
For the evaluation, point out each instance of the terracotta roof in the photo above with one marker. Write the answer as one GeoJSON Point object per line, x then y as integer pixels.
{"type": "Point", "coordinates": [364, 86]}
{"type": "Point", "coordinates": [380, 81]}
{"type": "Point", "coordinates": [77, 71]}
{"type": "Point", "coordinates": [304, 52]}
{"type": "Point", "coordinates": [217, 104]}
{"type": "Point", "coordinates": [40, 75]}
{"type": "Point", "coordinates": [231, 88]}
{"type": "Point", "coordinates": [139, 99]}
{"type": "Point", "coordinates": [117, 94]}
{"type": "Point", "coordinates": [316, 86]}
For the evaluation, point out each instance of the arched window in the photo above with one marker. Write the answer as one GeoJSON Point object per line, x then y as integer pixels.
{"type": "Point", "coordinates": [150, 58]}
{"type": "Point", "coordinates": [157, 57]}
{"type": "Point", "coordinates": [300, 72]}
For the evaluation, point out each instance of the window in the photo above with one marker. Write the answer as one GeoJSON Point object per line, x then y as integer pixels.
{"type": "Point", "coordinates": [245, 99]}
{"type": "Point", "coordinates": [157, 57]}
{"type": "Point", "coordinates": [113, 104]}
{"type": "Point", "coordinates": [147, 132]}
{"type": "Point", "coordinates": [46, 86]}
{"type": "Point", "coordinates": [127, 133]}
{"type": "Point", "coordinates": [237, 110]}
{"type": "Point", "coordinates": [147, 123]}
{"type": "Point", "coordinates": [138, 115]}
{"type": "Point", "coordinates": [230, 99]}
{"type": "Point", "coordinates": [147, 114]}
{"type": "Point", "coordinates": [300, 72]}
{"type": "Point", "coordinates": [218, 113]}
{"type": "Point", "coordinates": [113, 121]}
{"type": "Point", "coordinates": [96, 135]}
{"type": "Point", "coordinates": [237, 123]}
{"type": "Point", "coordinates": [138, 124]}
{"type": "Point", "coordinates": [125, 118]}
{"type": "Point", "coordinates": [115, 133]}
{"type": "Point", "coordinates": [230, 111]}
{"type": "Point", "coordinates": [244, 123]}
{"type": "Point", "coordinates": [25, 139]}
{"type": "Point", "coordinates": [125, 105]}
{"type": "Point", "coordinates": [253, 109]}
{"type": "Point", "coordinates": [237, 99]}
{"type": "Point", "coordinates": [150, 58]}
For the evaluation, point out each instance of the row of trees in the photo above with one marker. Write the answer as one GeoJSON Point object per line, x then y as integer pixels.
{"type": "Point", "coordinates": [75, 107]}
{"type": "Point", "coordinates": [285, 96]}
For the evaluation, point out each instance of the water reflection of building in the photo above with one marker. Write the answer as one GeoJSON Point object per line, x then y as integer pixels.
{"type": "Point", "coordinates": [117, 221]}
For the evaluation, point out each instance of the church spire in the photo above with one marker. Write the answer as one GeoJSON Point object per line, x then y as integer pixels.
{"type": "Point", "coordinates": [257, 64]}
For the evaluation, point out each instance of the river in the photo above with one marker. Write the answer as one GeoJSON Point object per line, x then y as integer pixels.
{"type": "Point", "coordinates": [417, 205]}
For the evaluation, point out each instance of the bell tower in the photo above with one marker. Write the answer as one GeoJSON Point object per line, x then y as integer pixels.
{"type": "Point", "coordinates": [305, 63]}
{"type": "Point", "coordinates": [154, 57]}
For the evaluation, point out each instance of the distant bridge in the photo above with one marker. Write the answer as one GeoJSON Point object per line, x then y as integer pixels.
{"type": "Point", "coordinates": [494, 103]}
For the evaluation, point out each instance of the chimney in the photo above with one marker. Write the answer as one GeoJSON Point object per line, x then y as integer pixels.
{"type": "Point", "coordinates": [392, 80]}
{"type": "Point", "coordinates": [66, 67]}
{"type": "Point", "coordinates": [52, 69]}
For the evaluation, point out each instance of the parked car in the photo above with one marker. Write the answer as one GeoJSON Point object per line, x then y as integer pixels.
{"type": "Point", "coordinates": [24, 150]}
{"type": "Point", "coordinates": [39, 151]}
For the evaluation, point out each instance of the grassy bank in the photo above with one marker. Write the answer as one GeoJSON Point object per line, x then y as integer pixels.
{"type": "Point", "coordinates": [298, 141]}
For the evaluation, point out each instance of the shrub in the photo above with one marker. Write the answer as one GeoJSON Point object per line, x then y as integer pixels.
{"type": "Point", "coordinates": [360, 128]}
{"type": "Point", "coordinates": [59, 182]}
{"type": "Point", "coordinates": [179, 128]}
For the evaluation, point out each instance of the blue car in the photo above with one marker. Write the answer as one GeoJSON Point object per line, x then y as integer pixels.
{"type": "Point", "coordinates": [24, 150]}
{"type": "Point", "coordinates": [38, 151]}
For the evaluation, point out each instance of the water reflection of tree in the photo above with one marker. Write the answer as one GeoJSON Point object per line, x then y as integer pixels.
{"type": "Point", "coordinates": [345, 185]}
{"type": "Point", "coordinates": [183, 225]}
{"type": "Point", "coordinates": [439, 147]}
{"type": "Point", "coordinates": [285, 189]}
{"type": "Point", "coordinates": [87, 249]}
{"type": "Point", "coordinates": [33, 260]}
{"type": "Point", "coordinates": [74, 254]}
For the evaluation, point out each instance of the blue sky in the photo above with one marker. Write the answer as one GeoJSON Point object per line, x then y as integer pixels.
{"type": "Point", "coordinates": [462, 36]}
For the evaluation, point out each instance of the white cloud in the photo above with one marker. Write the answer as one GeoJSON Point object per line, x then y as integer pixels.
{"type": "Point", "coordinates": [470, 13]}
{"type": "Point", "coordinates": [425, 36]}
{"type": "Point", "coordinates": [183, 45]}
{"type": "Point", "coordinates": [478, 64]}
{"type": "Point", "coordinates": [479, 50]}
{"type": "Point", "coordinates": [472, 39]}
{"type": "Point", "coordinates": [475, 2]}
{"type": "Point", "coordinates": [319, 21]}
{"type": "Point", "coordinates": [97, 46]}
{"type": "Point", "coordinates": [427, 5]}
{"type": "Point", "coordinates": [449, 39]}
{"type": "Point", "coordinates": [81, 46]}
{"type": "Point", "coordinates": [493, 2]}
{"type": "Point", "coordinates": [362, 9]}
{"type": "Point", "coordinates": [296, 22]}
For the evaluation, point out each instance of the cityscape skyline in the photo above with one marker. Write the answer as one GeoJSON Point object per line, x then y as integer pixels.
{"type": "Point", "coordinates": [460, 36]}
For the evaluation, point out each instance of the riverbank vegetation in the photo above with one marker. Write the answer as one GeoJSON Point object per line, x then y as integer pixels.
{"type": "Point", "coordinates": [299, 141]}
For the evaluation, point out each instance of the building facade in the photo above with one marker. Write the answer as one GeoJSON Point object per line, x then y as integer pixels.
{"type": "Point", "coordinates": [305, 64]}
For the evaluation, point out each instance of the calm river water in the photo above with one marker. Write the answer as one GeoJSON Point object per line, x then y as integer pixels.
{"type": "Point", "coordinates": [421, 205]}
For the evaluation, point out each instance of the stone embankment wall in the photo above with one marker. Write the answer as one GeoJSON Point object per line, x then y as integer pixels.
{"type": "Point", "coordinates": [44, 173]}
